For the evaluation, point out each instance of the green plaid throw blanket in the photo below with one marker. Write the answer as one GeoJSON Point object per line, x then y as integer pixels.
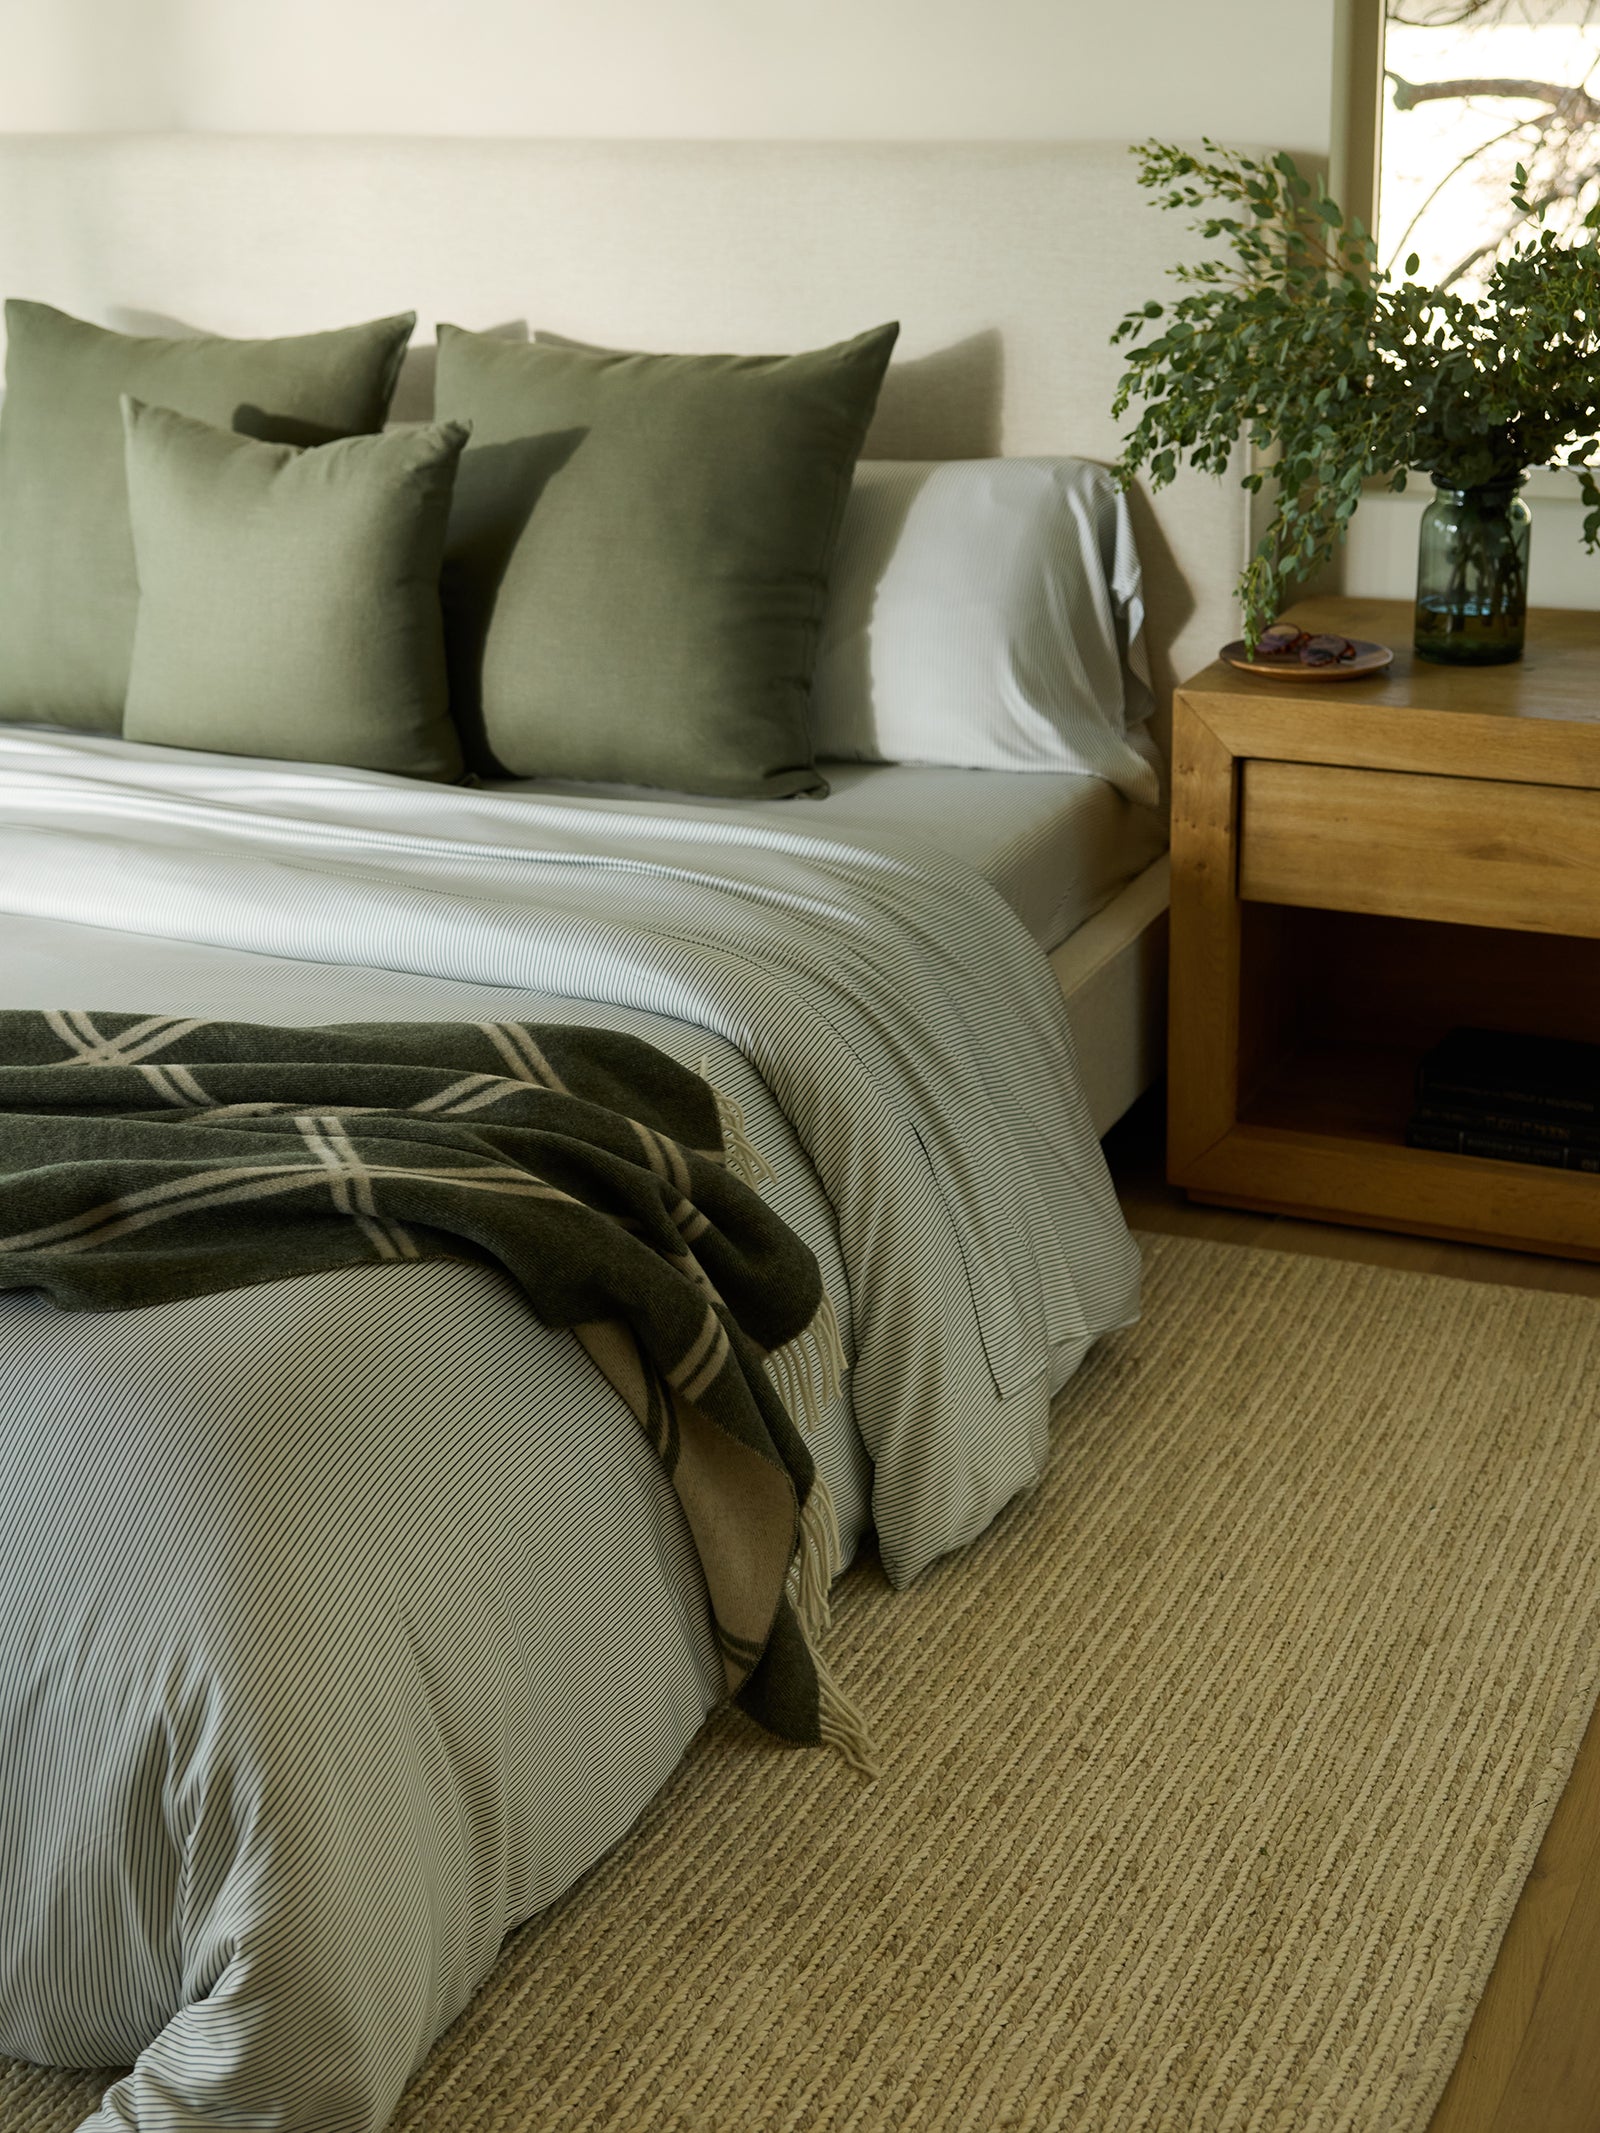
{"type": "Point", "coordinates": [145, 1158]}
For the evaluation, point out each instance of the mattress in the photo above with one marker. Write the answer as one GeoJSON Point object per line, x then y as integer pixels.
{"type": "Point", "coordinates": [1058, 846]}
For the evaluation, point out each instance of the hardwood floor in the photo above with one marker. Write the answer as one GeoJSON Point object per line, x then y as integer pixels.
{"type": "Point", "coordinates": [1531, 2062]}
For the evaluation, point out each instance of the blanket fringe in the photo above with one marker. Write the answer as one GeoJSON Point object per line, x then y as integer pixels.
{"type": "Point", "coordinates": [817, 1562]}
{"type": "Point", "coordinates": [840, 1724]}
{"type": "Point", "coordinates": [809, 1370]}
{"type": "Point", "coordinates": [842, 1727]}
{"type": "Point", "coordinates": [743, 1157]}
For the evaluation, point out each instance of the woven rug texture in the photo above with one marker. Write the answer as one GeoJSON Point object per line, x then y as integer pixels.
{"type": "Point", "coordinates": [1211, 1774]}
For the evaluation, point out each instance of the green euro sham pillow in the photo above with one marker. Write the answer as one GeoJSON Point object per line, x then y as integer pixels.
{"type": "Point", "coordinates": [68, 594]}
{"type": "Point", "coordinates": [289, 595]}
{"type": "Point", "coordinates": [639, 555]}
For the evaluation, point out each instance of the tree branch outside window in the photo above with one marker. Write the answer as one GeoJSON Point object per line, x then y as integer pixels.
{"type": "Point", "coordinates": [1474, 87]}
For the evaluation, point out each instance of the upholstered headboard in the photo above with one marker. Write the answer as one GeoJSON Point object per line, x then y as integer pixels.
{"type": "Point", "coordinates": [1007, 265]}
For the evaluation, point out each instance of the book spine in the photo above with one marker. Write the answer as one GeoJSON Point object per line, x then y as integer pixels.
{"type": "Point", "coordinates": [1457, 1140]}
{"type": "Point", "coordinates": [1437, 1088]}
{"type": "Point", "coordinates": [1525, 1125]}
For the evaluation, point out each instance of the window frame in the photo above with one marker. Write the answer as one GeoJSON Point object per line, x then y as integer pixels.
{"type": "Point", "coordinates": [1355, 162]}
{"type": "Point", "coordinates": [1356, 143]}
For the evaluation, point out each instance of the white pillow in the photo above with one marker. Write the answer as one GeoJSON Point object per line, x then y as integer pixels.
{"type": "Point", "coordinates": [988, 614]}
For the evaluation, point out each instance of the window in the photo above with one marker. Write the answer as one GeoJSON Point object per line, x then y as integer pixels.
{"type": "Point", "coordinates": [1471, 89]}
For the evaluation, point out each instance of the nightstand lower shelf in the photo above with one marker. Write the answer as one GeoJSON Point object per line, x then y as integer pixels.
{"type": "Point", "coordinates": [1323, 1137]}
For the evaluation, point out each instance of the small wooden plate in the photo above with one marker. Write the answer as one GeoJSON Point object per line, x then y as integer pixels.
{"type": "Point", "coordinates": [1288, 666]}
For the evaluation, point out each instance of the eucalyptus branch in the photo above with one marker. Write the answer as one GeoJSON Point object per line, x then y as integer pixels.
{"type": "Point", "coordinates": [1538, 208]}
{"type": "Point", "coordinates": [1288, 334]}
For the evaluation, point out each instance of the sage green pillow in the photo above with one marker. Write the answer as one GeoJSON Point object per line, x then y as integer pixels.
{"type": "Point", "coordinates": [289, 595]}
{"type": "Point", "coordinates": [68, 594]}
{"type": "Point", "coordinates": [639, 554]}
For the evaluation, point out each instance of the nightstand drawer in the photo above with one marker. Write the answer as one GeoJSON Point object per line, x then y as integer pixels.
{"type": "Point", "coordinates": [1464, 850]}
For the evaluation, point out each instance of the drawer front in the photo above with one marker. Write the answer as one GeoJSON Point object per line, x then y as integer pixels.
{"type": "Point", "coordinates": [1465, 850]}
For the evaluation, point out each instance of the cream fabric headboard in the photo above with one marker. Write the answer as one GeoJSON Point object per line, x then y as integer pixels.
{"type": "Point", "coordinates": [1007, 265]}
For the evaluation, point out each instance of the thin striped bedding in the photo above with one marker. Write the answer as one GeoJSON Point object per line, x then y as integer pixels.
{"type": "Point", "coordinates": [326, 1655]}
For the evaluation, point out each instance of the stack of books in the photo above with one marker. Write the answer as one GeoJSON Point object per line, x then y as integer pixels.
{"type": "Point", "coordinates": [1523, 1099]}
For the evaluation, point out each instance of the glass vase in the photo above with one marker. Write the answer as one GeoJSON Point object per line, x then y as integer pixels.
{"type": "Point", "coordinates": [1472, 574]}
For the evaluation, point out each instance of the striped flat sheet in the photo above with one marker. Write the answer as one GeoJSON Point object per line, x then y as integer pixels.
{"type": "Point", "coordinates": [369, 1673]}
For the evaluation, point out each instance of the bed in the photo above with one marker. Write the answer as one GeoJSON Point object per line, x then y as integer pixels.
{"type": "Point", "coordinates": [262, 1527]}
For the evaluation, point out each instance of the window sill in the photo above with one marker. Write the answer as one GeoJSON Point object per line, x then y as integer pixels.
{"type": "Point", "coordinates": [1561, 482]}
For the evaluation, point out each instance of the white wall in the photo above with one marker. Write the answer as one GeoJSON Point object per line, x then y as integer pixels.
{"type": "Point", "coordinates": [1381, 555]}
{"type": "Point", "coordinates": [823, 69]}
{"type": "Point", "coordinates": [810, 69]}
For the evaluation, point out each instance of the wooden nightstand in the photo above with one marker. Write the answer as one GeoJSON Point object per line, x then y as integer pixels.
{"type": "Point", "coordinates": [1356, 868]}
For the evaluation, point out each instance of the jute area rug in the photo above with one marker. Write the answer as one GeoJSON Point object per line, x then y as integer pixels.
{"type": "Point", "coordinates": [1211, 1773]}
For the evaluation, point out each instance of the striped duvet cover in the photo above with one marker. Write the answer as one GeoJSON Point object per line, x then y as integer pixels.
{"type": "Point", "coordinates": [324, 1659]}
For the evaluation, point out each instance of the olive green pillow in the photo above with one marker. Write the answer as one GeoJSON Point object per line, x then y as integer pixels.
{"type": "Point", "coordinates": [67, 589]}
{"type": "Point", "coordinates": [289, 595]}
{"type": "Point", "coordinates": [639, 555]}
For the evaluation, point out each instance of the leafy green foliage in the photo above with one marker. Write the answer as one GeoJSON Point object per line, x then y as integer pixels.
{"type": "Point", "coordinates": [1289, 334]}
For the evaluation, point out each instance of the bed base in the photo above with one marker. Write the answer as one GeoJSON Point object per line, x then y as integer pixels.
{"type": "Point", "coordinates": [1113, 977]}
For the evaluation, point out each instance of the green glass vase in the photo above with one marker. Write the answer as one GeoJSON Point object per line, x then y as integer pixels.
{"type": "Point", "coordinates": [1472, 575]}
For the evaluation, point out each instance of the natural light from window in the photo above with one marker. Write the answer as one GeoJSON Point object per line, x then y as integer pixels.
{"type": "Point", "coordinates": [1471, 89]}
